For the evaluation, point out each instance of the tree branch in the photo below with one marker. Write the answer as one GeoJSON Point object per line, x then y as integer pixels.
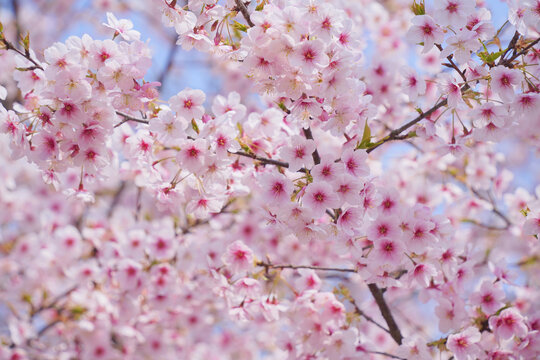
{"type": "Point", "coordinates": [295, 267]}
{"type": "Point", "coordinates": [495, 210]}
{"type": "Point", "coordinates": [394, 134]}
{"type": "Point", "coordinates": [385, 354]}
{"type": "Point", "coordinates": [169, 63]}
{"type": "Point", "coordinates": [243, 9]}
{"type": "Point", "coordinates": [367, 317]}
{"type": "Point", "coordinates": [309, 135]}
{"type": "Point", "coordinates": [522, 52]}
{"type": "Point", "coordinates": [116, 198]}
{"type": "Point", "coordinates": [261, 159]}
{"type": "Point", "coordinates": [386, 313]}
{"type": "Point", "coordinates": [26, 55]}
{"type": "Point", "coordinates": [129, 118]}
{"type": "Point", "coordinates": [511, 46]}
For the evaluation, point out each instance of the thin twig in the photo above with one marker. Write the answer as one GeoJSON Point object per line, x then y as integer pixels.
{"type": "Point", "coordinates": [486, 226]}
{"type": "Point", "coordinates": [495, 210]}
{"type": "Point", "coordinates": [522, 52]}
{"type": "Point", "coordinates": [385, 354]}
{"type": "Point", "coordinates": [188, 228]}
{"type": "Point", "coordinates": [54, 301]}
{"type": "Point", "coordinates": [265, 160]}
{"type": "Point", "coordinates": [10, 46]}
{"type": "Point", "coordinates": [295, 267]}
{"type": "Point", "coordinates": [129, 118]}
{"type": "Point", "coordinates": [453, 64]}
{"type": "Point", "coordinates": [395, 133]}
{"type": "Point", "coordinates": [47, 327]}
{"type": "Point", "coordinates": [511, 46]}
{"type": "Point", "coordinates": [367, 317]}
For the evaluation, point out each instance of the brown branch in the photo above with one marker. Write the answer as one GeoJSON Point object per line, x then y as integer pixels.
{"type": "Point", "coordinates": [367, 317]}
{"type": "Point", "coordinates": [453, 64]}
{"type": "Point", "coordinates": [199, 222]}
{"type": "Point", "coordinates": [47, 327]}
{"type": "Point", "coordinates": [295, 267]}
{"type": "Point", "coordinates": [511, 46]}
{"type": "Point", "coordinates": [26, 55]}
{"type": "Point", "coordinates": [240, 6]}
{"type": "Point", "coordinates": [385, 354]}
{"type": "Point", "coordinates": [522, 52]}
{"type": "Point", "coordinates": [169, 63]}
{"type": "Point", "coordinates": [495, 210]}
{"type": "Point", "coordinates": [265, 160]}
{"type": "Point", "coordinates": [486, 226]}
{"type": "Point", "coordinates": [116, 198]}
{"type": "Point", "coordinates": [386, 313]}
{"type": "Point", "coordinates": [394, 134]}
{"type": "Point", "coordinates": [54, 301]}
{"type": "Point", "coordinates": [309, 135]}
{"type": "Point", "coordinates": [15, 6]}
{"type": "Point", "coordinates": [129, 118]}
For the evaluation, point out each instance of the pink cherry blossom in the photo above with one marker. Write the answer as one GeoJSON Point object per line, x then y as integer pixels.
{"type": "Point", "coordinates": [238, 257]}
{"type": "Point", "coordinates": [299, 153]}
{"type": "Point", "coordinates": [122, 27]}
{"type": "Point", "coordinates": [489, 297]}
{"type": "Point", "coordinates": [503, 81]}
{"type": "Point", "coordinates": [453, 12]}
{"type": "Point", "coordinates": [507, 324]}
{"type": "Point", "coordinates": [425, 30]}
{"type": "Point", "coordinates": [464, 344]}
{"type": "Point", "coordinates": [188, 103]}
{"type": "Point", "coordinates": [319, 197]}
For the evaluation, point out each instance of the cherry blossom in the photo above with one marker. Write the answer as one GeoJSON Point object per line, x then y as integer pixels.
{"type": "Point", "coordinates": [307, 182]}
{"type": "Point", "coordinates": [463, 344]}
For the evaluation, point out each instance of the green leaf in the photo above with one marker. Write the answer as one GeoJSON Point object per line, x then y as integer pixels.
{"type": "Point", "coordinates": [367, 133]}
{"type": "Point", "coordinates": [77, 311]}
{"type": "Point", "coordinates": [239, 26]}
{"type": "Point", "coordinates": [195, 126]}
{"type": "Point", "coordinates": [366, 138]}
{"type": "Point", "coordinates": [260, 7]}
{"type": "Point", "coordinates": [488, 57]}
{"type": "Point", "coordinates": [418, 8]}
{"type": "Point", "coordinates": [25, 42]}
{"type": "Point", "coordinates": [27, 298]}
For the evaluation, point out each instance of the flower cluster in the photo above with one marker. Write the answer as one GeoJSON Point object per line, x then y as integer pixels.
{"type": "Point", "coordinates": [269, 220]}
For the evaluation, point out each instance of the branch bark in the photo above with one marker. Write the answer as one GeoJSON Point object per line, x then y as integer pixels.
{"type": "Point", "coordinates": [386, 313]}
{"type": "Point", "coordinates": [309, 135]}
{"type": "Point", "coordinates": [129, 118]}
{"type": "Point", "coordinates": [295, 267]}
{"type": "Point", "coordinates": [245, 13]}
